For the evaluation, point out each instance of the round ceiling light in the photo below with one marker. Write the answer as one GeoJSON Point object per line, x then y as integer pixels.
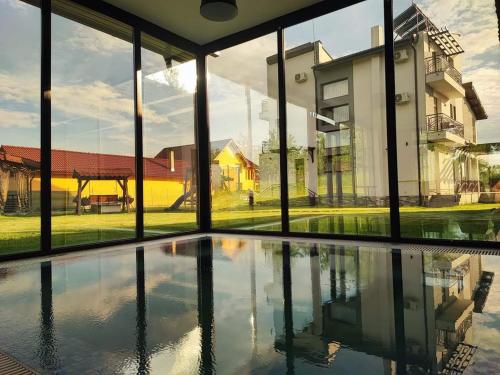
{"type": "Point", "coordinates": [219, 10]}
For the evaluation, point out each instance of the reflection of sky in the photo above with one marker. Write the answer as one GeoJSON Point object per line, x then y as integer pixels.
{"type": "Point", "coordinates": [92, 87]}
{"type": "Point", "coordinates": [94, 309]}
{"type": "Point", "coordinates": [95, 313]}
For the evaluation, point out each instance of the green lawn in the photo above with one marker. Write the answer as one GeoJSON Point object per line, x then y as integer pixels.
{"type": "Point", "coordinates": [21, 233]}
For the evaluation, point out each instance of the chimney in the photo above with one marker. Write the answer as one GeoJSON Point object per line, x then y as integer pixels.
{"type": "Point", "coordinates": [172, 161]}
{"type": "Point", "coordinates": [377, 36]}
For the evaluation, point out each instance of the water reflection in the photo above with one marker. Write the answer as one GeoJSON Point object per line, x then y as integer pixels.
{"type": "Point", "coordinates": [233, 305]}
{"type": "Point", "coordinates": [461, 225]}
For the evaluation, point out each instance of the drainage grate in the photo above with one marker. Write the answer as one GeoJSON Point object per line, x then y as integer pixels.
{"type": "Point", "coordinates": [10, 366]}
{"type": "Point", "coordinates": [451, 250]}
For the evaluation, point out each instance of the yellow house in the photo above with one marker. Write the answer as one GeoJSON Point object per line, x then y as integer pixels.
{"type": "Point", "coordinates": [231, 170]}
{"type": "Point", "coordinates": [101, 181]}
{"type": "Point", "coordinates": [83, 181]}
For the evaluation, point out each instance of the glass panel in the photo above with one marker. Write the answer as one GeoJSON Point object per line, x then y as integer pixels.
{"type": "Point", "coordinates": [337, 159]}
{"type": "Point", "coordinates": [242, 89]}
{"type": "Point", "coordinates": [93, 162]}
{"type": "Point", "coordinates": [19, 127]}
{"type": "Point", "coordinates": [447, 120]}
{"type": "Point", "coordinates": [170, 188]}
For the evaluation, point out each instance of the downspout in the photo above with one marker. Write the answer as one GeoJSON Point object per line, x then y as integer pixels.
{"type": "Point", "coordinates": [417, 117]}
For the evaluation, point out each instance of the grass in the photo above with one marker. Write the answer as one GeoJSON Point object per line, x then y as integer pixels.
{"type": "Point", "coordinates": [21, 233]}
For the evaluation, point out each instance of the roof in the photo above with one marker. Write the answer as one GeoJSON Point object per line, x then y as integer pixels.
{"type": "Point", "coordinates": [292, 52]}
{"type": "Point", "coordinates": [474, 101]}
{"type": "Point", "coordinates": [220, 144]}
{"type": "Point", "coordinates": [65, 162]}
{"type": "Point", "coordinates": [215, 146]}
{"type": "Point", "coordinates": [364, 53]}
{"type": "Point", "coordinates": [413, 20]}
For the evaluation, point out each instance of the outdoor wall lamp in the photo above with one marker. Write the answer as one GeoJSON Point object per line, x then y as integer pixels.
{"type": "Point", "coordinates": [219, 10]}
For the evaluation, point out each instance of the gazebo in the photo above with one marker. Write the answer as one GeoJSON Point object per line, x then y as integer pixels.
{"type": "Point", "coordinates": [16, 178]}
{"type": "Point", "coordinates": [120, 175]}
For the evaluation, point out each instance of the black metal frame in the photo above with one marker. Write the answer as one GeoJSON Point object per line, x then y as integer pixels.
{"type": "Point", "coordinates": [45, 127]}
{"type": "Point", "coordinates": [277, 26]}
{"type": "Point", "coordinates": [202, 126]}
{"type": "Point", "coordinates": [392, 140]}
{"type": "Point", "coordinates": [285, 220]}
{"type": "Point", "coordinates": [202, 137]}
{"type": "Point", "coordinates": [139, 150]}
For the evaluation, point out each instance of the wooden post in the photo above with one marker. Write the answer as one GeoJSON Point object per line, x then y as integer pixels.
{"type": "Point", "coordinates": [79, 197]}
{"type": "Point", "coordinates": [125, 195]}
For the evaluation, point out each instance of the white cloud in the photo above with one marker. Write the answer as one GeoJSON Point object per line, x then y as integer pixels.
{"type": "Point", "coordinates": [16, 4]}
{"type": "Point", "coordinates": [95, 41]}
{"type": "Point", "coordinates": [99, 101]}
{"type": "Point", "coordinates": [18, 119]}
{"type": "Point", "coordinates": [19, 89]}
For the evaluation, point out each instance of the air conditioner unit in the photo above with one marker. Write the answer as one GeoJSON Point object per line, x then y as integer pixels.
{"type": "Point", "coordinates": [400, 56]}
{"type": "Point", "coordinates": [300, 77]}
{"type": "Point", "coordinates": [404, 97]}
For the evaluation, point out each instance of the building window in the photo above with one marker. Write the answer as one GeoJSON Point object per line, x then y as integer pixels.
{"type": "Point", "coordinates": [453, 112]}
{"type": "Point", "coordinates": [340, 113]}
{"type": "Point", "coordinates": [335, 89]}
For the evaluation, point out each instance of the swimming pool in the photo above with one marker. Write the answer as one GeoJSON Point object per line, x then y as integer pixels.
{"type": "Point", "coordinates": [257, 305]}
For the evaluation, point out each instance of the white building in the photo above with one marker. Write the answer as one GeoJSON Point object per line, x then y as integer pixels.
{"type": "Point", "coordinates": [342, 101]}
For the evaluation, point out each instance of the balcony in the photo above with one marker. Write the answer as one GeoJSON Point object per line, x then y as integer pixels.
{"type": "Point", "coordinates": [443, 77]}
{"type": "Point", "coordinates": [444, 129]}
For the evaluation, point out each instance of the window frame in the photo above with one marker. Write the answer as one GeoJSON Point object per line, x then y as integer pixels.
{"type": "Point", "coordinates": [276, 25]}
{"type": "Point", "coordinates": [323, 85]}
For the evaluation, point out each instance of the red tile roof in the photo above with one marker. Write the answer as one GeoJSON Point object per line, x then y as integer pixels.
{"type": "Point", "coordinates": [64, 163]}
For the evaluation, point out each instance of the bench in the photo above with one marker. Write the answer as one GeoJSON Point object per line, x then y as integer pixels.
{"type": "Point", "coordinates": [105, 203]}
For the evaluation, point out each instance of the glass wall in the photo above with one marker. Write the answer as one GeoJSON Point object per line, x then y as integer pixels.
{"type": "Point", "coordinates": [170, 188]}
{"type": "Point", "coordinates": [93, 161]}
{"type": "Point", "coordinates": [336, 123]}
{"type": "Point", "coordinates": [447, 72]}
{"type": "Point", "coordinates": [244, 140]}
{"type": "Point", "coordinates": [447, 120]}
{"type": "Point", "coordinates": [19, 126]}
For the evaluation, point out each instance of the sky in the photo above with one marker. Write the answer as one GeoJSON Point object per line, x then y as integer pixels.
{"type": "Point", "coordinates": [93, 109]}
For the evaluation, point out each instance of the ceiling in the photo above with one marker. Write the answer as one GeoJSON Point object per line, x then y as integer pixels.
{"type": "Point", "coordinates": [183, 16]}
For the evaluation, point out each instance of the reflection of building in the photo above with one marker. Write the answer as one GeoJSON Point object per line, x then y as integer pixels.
{"type": "Point", "coordinates": [359, 314]}
{"type": "Point", "coordinates": [341, 104]}
{"type": "Point", "coordinates": [440, 311]}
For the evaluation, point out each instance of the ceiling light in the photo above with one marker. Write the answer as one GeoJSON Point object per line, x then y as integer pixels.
{"type": "Point", "coordinates": [219, 10]}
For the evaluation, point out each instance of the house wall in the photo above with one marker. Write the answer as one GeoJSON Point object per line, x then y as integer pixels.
{"type": "Point", "coordinates": [230, 165]}
{"type": "Point", "coordinates": [406, 123]}
{"type": "Point", "coordinates": [370, 136]}
{"type": "Point", "coordinates": [157, 193]}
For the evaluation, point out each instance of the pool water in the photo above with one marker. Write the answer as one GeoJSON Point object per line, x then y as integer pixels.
{"type": "Point", "coordinates": [234, 304]}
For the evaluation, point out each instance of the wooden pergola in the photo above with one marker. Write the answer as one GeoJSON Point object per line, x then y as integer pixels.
{"type": "Point", "coordinates": [23, 171]}
{"type": "Point", "coordinates": [120, 175]}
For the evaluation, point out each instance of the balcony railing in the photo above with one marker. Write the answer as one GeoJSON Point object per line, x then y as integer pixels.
{"type": "Point", "coordinates": [439, 122]}
{"type": "Point", "coordinates": [436, 64]}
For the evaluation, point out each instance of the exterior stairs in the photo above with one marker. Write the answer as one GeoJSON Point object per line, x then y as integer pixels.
{"type": "Point", "coordinates": [443, 200]}
{"type": "Point", "coordinates": [14, 204]}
